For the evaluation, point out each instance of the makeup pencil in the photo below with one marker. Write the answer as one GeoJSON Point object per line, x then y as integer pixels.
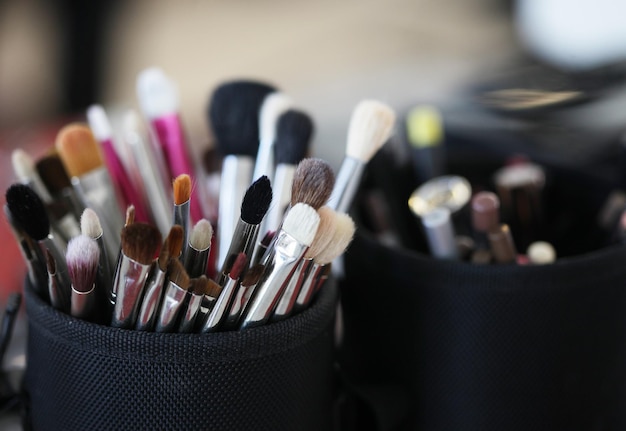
{"type": "Point", "coordinates": [83, 256]}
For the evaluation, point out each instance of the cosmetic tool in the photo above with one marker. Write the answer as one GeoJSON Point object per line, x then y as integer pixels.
{"type": "Point", "coordinates": [159, 100]}
{"type": "Point", "coordinates": [90, 226]}
{"type": "Point", "coordinates": [233, 114]}
{"type": "Point", "coordinates": [313, 183]}
{"type": "Point", "coordinates": [424, 131]}
{"type": "Point", "coordinates": [242, 295]}
{"type": "Point", "coordinates": [223, 304]}
{"type": "Point", "coordinates": [60, 298]}
{"type": "Point", "coordinates": [323, 236]}
{"type": "Point", "coordinates": [140, 241]}
{"type": "Point", "coordinates": [153, 290]}
{"type": "Point", "coordinates": [174, 297]}
{"type": "Point", "coordinates": [157, 190]}
{"type": "Point", "coordinates": [541, 253]}
{"type": "Point", "coordinates": [293, 135]}
{"type": "Point", "coordinates": [501, 243]}
{"type": "Point", "coordinates": [130, 215]}
{"type": "Point", "coordinates": [28, 211]}
{"type": "Point", "coordinates": [370, 126]}
{"type": "Point", "coordinates": [254, 206]}
{"type": "Point", "coordinates": [198, 249]}
{"type": "Point", "coordinates": [209, 291]}
{"type": "Point", "coordinates": [191, 309]}
{"type": "Point", "coordinates": [124, 186]}
{"type": "Point", "coordinates": [261, 248]}
{"type": "Point", "coordinates": [295, 236]}
{"type": "Point", "coordinates": [182, 198]}
{"type": "Point", "coordinates": [82, 257]}
{"type": "Point", "coordinates": [440, 233]}
{"type": "Point", "coordinates": [274, 105]}
{"type": "Point", "coordinates": [343, 234]}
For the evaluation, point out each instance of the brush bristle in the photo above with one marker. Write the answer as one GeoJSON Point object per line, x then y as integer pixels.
{"type": "Point", "coordinates": [140, 242]}
{"type": "Point", "coordinates": [78, 149]}
{"type": "Point", "coordinates": [182, 189]}
{"type": "Point", "coordinates": [253, 275]}
{"type": "Point", "coordinates": [157, 94]}
{"type": "Point", "coordinates": [344, 232]}
{"type": "Point", "coordinates": [177, 274]}
{"type": "Point", "coordinates": [201, 234]}
{"type": "Point", "coordinates": [234, 116]}
{"type": "Point", "coordinates": [99, 122]}
{"type": "Point", "coordinates": [53, 173]}
{"type": "Point", "coordinates": [172, 246]}
{"type": "Point", "coordinates": [256, 201]}
{"type": "Point", "coordinates": [370, 126]}
{"type": "Point", "coordinates": [325, 231]}
{"type": "Point", "coordinates": [273, 106]}
{"type": "Point", "coordinates": [313, 182]}
{"type": "Point", "coordinates": [293, 135]}
{"type": "Point", "coordinates": [238, 266]}
{"type": "Point", "coordinates": [130, 215]}
{"type": "Point", "coordinates": [23, 165]}
{"type": "Point", "coordinates": [51, 264]}
{"type": "Point", "coordinates": [301, 223]}
{"type": "Point", "coordinates": [82, 257]}
{"type": "Point", "coordinates": [90, 224]}
{"type": "Point", "coordinates": [28, 211]}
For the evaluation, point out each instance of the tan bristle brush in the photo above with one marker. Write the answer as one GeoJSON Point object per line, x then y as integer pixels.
{"type": "Point", "coordinates": [370, 126]}
{"type": "Point", "coordinates": [313, 183]}
{"type": "Point", "coordinates": [153, 291]}
{"type": "Point", "coordinates": [140, 242]}
{"type": "Point", "coordinates": [81, 156]}
{"type": "Point", "coordinates": [182, 195]}
{"type": "Point", "coordinates": [83, 255]}
{"type": "Point", "coordinates": [59, 297]}
{"type": "Point", "coordinates": [174, 297]}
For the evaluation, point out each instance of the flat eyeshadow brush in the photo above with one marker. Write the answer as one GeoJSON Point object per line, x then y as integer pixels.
{"type": "Point", "coordinates": [182, 201]}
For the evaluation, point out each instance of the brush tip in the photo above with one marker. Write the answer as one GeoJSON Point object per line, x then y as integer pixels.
{"type": "Point", "coordinates": [53, 174]}
{"type": "Point", "coordinates": [370, 127]}
{"type": "Point", "coordinates": [23, 165]}
{"type": "Point", "coordinates": [90, 224]}
{"type": "Point", "coordinates": [182, 189]}
{"type": "Point", "coordinates": [253, 275]}
{"type": "Point", "coordinates": [82, 258]}
{"type": "Point", "coordinates": [301, 222]}
{"type": "Point", "coordinates": [313, 182]}
{"type": "Point", "coordinates": [343, 234]}
{"type": "Point", "coordinates": [293, 135]}
{"type": "Point", "coordinates": [172, 246]}
{"type": "Point", "coordinates": [99, 122]}
{"type": "Point", "coordinates": [28, 210]}
{"type": "Point", "coordinates": [201, 234]}
{"type": "Point", "coordinates": [140, 242]}
{"type": "Point", "coordinates": [325, 231]}
{"type": "Point", "coordinates": [256, 201]}
{"type": "Point", "coordinates": [78, 149]}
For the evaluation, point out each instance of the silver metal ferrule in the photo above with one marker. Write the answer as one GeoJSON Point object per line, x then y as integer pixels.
{"type": "Point", "coordinates": [151, 300]}
{"type": "Point", "coordinates": [189, 317]}
{"type": "Point", "coordinates": [346, 185]}
{"type": "Point", "coordinates": [171, 306]}
{"type": "Point", "coordinates": [83, 304]}
{"type": "Point", "coordinates": [62, 274]}
{"type": "Point", "coordinates": [244, 240]}
{"type": "Point", "coordinates": [308, 287]}
{"type": "Point", "coordinates": [240, 298]}
{"type": "Point", "coordinates": [196, 261]}
{"type": "Point", "coordinates": [287, 252]}
{"type": "Point", "coordinates": [128, 283]}
{"type": "Point", "coordinates": [220, 309]}
{"type": "Point", "coordinates": [287, 301]}
{"type": "Point", "coordinates": [58, 298]}
{"type": "Point", "coordinates": [181, 218]}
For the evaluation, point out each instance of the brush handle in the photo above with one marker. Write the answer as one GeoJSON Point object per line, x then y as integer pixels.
{"type": "Point", "coordinates": [189, 317]}
{"type": "Point", "coordinates": [219, 312]}
{"type": "Point", "coordinates": [346, 185]}
{"type": "Point", "coordinates": [151, 299]}
{"type": "Point", "coordinates": [308, 288]}
{"type": "Point", "coordinates": [171, 306]}
{"type": "Point", "coordinates": [243, 241]}
{"type": "Point", "coordinates": [128, 285]}
{"type": "Point", "coordinates": [264, 164]}
{"type": "Point", "coordinates": [195, 261]}
{"type": "Point", "coordinates": [83, 304]}
{"type": "Point", "coordinates": [281, 197]}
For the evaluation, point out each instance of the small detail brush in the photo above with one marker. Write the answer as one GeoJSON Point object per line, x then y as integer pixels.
{"type": "Point", "coordinates": [182, 197]}
{"type": "Point", "coordinates": [370, 126]}
{"type": "Point", "coordinates": [174, 297]}
{"type": "Point", "coordinates": [198, 249]}
{"type": "Point", "coordinates": [82, 257]}
{"type": "Point", "coordinates": [90, 226]}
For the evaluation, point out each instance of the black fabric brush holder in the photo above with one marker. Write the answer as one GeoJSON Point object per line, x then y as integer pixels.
{"type": "Point", "coordinates": [434, 345]}
{"type": "Point", "coordinates": [82, 376]}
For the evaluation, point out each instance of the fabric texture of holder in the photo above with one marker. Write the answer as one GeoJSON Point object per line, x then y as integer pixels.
{"type": "Point", "coordinates": [82, 376]}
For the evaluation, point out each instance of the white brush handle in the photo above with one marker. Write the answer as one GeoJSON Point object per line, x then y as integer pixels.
{"type": "Point", "coordinates": [346, 185]}
{"type": "Point", "coordinates": [281, 197]}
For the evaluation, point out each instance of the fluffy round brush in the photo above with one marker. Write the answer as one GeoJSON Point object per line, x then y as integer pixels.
{"type": "Point", "coordinates": [313, 182]}
{"type": "Point", "coordinates": [83, 257]}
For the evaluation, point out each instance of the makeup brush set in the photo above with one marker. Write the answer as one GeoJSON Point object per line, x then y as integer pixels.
{"type": "Point", "coordinates": [142, 302]}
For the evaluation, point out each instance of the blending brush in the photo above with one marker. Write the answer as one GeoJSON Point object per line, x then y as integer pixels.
{"type": "Point", "coordinates": [370, 126]}
{"type": "Point", "coordinates": [140, 242]}
{"type": "Point", "coordinates": [124, 186]}
{"type": "Point", "coordinates": [274, 105]}
{"type": "Point", "coordinates": [158, 97]}
{"type": "Point", "coordinates": [223, 304]}
{"type": "Point", "coordinates": [182, 202]}
{"type": "Point", "coordinates": [90, 226]}
{"type": "Point", "coordinates": [28, 211]}
{"type": "Point", "coordinates": [293, 135]}
{"type": "Point", "coordinates": [242, 296]}
{"type": "Point", "coordinates": [153, 290]}
{"type": "Point", "coordinates": [174, 297]}
{"type": "Point", "coordinates": [233, 114]}
{"type": "Point", "coordinates": [323, 237]}
{"type": "Point", "coordinates": [82, 257]}
{"type": "Point", "coordinates": [342, 236]}
{"type": "Point", "coordinates": [83, 161]}
{"type": "Point", "coordinates": [254, 205]}
{"type": "Point", "coordinates": [293, 239]}
{"type": "Point", "coordinates": [198, 249]}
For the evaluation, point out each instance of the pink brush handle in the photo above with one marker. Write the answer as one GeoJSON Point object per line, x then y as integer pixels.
{"type": "Point", "coordinates": [124, 186]}
{"type": "Point", "coordinates": [172, 140]}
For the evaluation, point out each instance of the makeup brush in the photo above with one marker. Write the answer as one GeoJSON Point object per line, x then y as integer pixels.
{"type": "Point", "coordinates": [182, 197]}
{"type": "Point", "coordinates": [242, 296]}
{"type": "Point", "coordinates": [293, 135]}
{"type": "Point", "coordinates": [83, 161]}
{"type": "Point", "coordinates": [323, 236]}
{"type": "Point", "coordinates": [159, 101]}
{"type": "Point", "coordinates": [140, 242]}
{"type": "Point", "coordinates": [233, 114]}
{"type": "Point", "coordinates": [91, 227]}
{"type": "Point", "coordinates": [343, 234]}
{"type": "Point", "coordinates": [261, 247]}
{"type": "Point", "coordinates": [370, 126]}
{"type": "Point", "coordinates": [125, 188]}
{"type": "Point", "coordinates": [60, 298]}
{"type": "Point", "coordinates": [274, 105]}
{"type": "Point", "coordinates": [313, 183]}
{"type": "Point", "coordinates": [295, 236]}
{"type": "Point", "coordinates": [198, 249]}
{"type": "Point", "coordinates": [220, 310]}
{"type": "Point", "coordinates": [174, 297]}
{"type": "Point", "coordinates": [153, 290]}
{"type": "Point", "coordinates": [82, 257]}
{"type": "Point", "coordinates": [253, 208]}
{"type": "Point", "coordinates": [130, 215]}
{"type": "Point", "coordinates": [28, 211]}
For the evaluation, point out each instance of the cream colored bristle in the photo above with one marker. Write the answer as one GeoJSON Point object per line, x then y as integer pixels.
{"type": "Point", "coordinates": [325, 231]}
{"type": "Point", "coordinates": [344, 233]}
{"type": "Point", "coordinates": [371, 125]}
{"type": "Point", "coordinates": [301, 223]}
{"type": "Point", "coordinates": [90, 224]}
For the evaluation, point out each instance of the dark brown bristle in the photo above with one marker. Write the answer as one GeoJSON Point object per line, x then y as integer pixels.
{"type": "Point", "coordinates": [140, 242]}
{"type": "Point", "coordinates": [175, 243]}
{"type": "Point", "coordinates": [164, 254]}
{"type": "Point", "coordinates": [238, 266]}
{"type": "Point", "coordinates": [211, 161]}
{"type": "Point", "coordinates": [182, 189]}
{"type": "Point", "coordinates": [51, 264]}
{"type": "Point", "coordinates": [267, 239]}
{"type": "Point", "coordinates": [53, 174]}
{"type": "Point", "coordinates": [78, 149]}
{"type": "Point", "coordinates": [130, 215]}
{"type": "Point", "coordinates": [213, 289]}
{"type": "Point", "coordinates": [198, 285]}
{"type": "Point", "coordinates": [176, 274]}
{"type": "Point", "coordinates": [28, 211]}
{"type": "Point", "coordinates": [313, 182]}
{"type": "Point", "coordinates": [253, 275]}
